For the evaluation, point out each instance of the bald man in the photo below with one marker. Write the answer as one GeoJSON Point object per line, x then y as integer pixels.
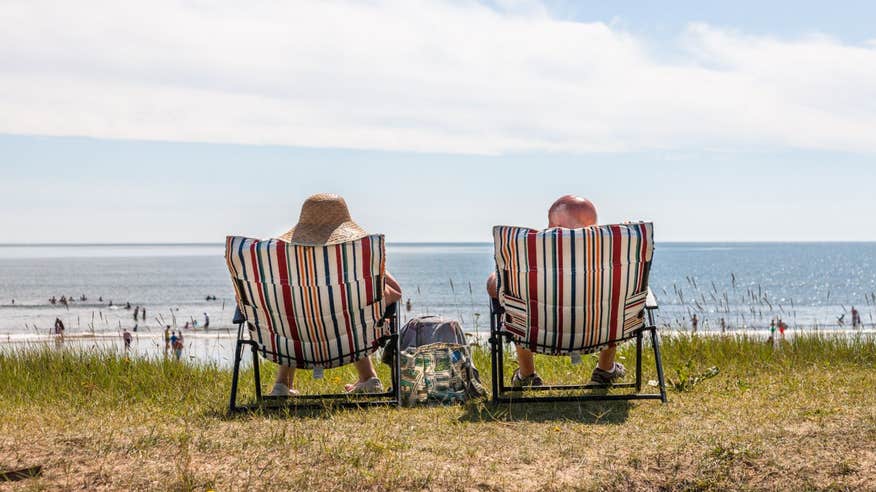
{"type": "Point", "coordinates": [570, 212]}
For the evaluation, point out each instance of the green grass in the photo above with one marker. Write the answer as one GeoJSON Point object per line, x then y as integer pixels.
{"type": "Point", "coordinates": [801, 417]}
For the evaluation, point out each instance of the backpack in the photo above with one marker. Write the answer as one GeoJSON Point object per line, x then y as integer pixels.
{"type": "Point", "coordinates": [436, 363]}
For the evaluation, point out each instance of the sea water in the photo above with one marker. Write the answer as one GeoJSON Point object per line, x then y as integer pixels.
{"type": "Point", "coordinates": [808, 285]}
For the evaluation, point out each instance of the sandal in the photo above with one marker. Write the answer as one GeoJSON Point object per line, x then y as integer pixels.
{"type": "Point", "coordinates": [372, 385]}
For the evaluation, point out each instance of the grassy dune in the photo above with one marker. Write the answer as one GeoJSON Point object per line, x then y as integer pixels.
{"type": "Point", "coordinates": [802, 417]}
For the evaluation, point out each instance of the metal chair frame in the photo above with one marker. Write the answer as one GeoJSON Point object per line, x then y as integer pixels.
{"type": "Point", "coordinates": [503, 393]}
{"type": "Point", "coordinates": [388, 398]}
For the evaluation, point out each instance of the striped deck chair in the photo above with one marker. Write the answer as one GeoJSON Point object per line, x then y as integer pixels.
{"type": "Point", "coordinates": [573, 292]}
{"type": "Point", "coordinates": [311, 307]}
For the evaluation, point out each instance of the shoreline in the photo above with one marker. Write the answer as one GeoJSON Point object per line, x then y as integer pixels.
{"type": "Point", "coordinates": [217, 347]}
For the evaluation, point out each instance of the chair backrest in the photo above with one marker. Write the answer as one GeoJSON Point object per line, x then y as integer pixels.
{"type": "Point", "coordinates": [310, 306]}
{"type": "Point", "coordinates": [573, 290]}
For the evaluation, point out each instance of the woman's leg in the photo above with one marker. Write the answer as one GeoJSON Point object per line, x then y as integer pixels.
{"type": "Point", "coordinates": [365, 369]}
{"type": "Point", "coordinates": [286, 375]}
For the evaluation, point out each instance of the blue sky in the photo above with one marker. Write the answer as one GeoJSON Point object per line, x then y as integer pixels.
{"type": "Point", "coordinates": [436, 120]}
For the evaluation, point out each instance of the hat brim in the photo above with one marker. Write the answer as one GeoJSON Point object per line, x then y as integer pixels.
{"type": "Point", "coordinates": [323, 234]}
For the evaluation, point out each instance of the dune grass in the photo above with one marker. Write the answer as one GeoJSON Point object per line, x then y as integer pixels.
{"type": "Point", "coordinates": [801, 417]}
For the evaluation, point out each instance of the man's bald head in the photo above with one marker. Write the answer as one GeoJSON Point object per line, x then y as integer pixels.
{"type": "Point", "coordinates": [572, 212]}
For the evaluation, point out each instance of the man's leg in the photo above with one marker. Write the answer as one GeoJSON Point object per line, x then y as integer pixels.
{"type": "Point", "coordinates": [525, 375]}
{"type": "Point", "coordinates": [525, 361]}
{"type": "Point", "coordinates": [607, 371]}
{"type": "Point", "coordinates": [606, 358]}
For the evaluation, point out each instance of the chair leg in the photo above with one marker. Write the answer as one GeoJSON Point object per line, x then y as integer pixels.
{"type": "Point", "coordinates": [232, 405]}
{"type": "Point", "coordinates": [661, 381]}
{"type": "Point", "coordinates": [256, 374]}
{"type": "Point", "coordinates": [495, 350]}
{"type": "Point", "coordinates": [639, 362]}
{"type": "Point", "coordinates": [396, 372]}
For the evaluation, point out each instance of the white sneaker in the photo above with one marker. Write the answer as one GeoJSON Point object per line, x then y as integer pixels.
{"type": "Point", "coordinates": [281, 389]}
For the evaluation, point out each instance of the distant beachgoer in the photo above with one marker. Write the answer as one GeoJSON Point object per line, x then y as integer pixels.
{"type": "Point", "coordinates": [53, 300]}
{"type": "Point", "coordinates": [136, 313]}
{"type": "Point", "coordinates": [206, 321]}
{"type": "Point", "coordinates": [59, 327]}
{"type": "Point", "coordinates": [63, 300]}
{"type": "Point", "coordinates": [695, 322]}
{"type": "Point", "coordinates": [111, 303]}
{"type": "Point", "coordinates": [143, 314]}
{"type": "Point", "coordinates": [126, 336]}
{"type": "Point", "coordinates": [127, 305]}
{"type": "Point", "coordinates": [187, 325]}
{"type": "Point", "coordinates": [166, 339]}
{"type": "Point", "coordinates": [100, 299]}
{"type": "Point", "coordinates": [723, 326]}
{"type": "Point", "coordinates": [177, 343]}
{"type": "Point", "coordinates": [856, 317]}
{"type": "Point", "coordinates": [135, 327]}
{"type": "Point", "coordinates": [408, 305]}
{"type": "Point", "coordinates": [782, 328]}
{"type": "Point", "coordinates": [173, 340]}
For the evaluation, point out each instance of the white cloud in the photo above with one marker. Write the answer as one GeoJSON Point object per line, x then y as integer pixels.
{"type": "Point", "coordinates": [423, 76]}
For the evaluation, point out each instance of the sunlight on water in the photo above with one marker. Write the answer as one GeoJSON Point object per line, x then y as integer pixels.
{"type": "Point", "coordinates": [804, 284]}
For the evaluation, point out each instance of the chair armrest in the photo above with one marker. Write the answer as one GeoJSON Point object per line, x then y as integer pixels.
{"type": "Point", "coordinates": [495, 307]}
{"type": "Point", "coordinates": [238, 317]}
{"type": "Point", "coordinates": [391, 310]}
{"type": "Point", "coordinates": [651, 300]}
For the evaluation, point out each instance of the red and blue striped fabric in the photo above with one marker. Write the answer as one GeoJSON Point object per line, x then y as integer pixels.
{"type": "Point", "coordinates": [573, 290]}
{"type": "Point", "coordinates": [310, 306]}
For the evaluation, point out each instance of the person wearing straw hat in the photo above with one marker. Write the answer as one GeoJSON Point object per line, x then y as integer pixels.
{"type": "Point", "coordinates": [325, 220]}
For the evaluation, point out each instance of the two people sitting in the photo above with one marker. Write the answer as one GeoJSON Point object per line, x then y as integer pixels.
{"type": "Point", "coordinates": [325, 220]}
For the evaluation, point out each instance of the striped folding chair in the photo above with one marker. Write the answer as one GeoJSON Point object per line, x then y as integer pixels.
{"type": "Point", "coordinates": [311, 307]}
{"type": "Point", "coordinates": [573, 292]}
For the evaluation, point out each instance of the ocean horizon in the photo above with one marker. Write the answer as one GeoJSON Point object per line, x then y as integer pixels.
{"type": "Point", "coordinates": [730, 286]}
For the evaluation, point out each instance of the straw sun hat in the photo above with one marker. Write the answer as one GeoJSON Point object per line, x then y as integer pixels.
{"type": "Point", "coordinates": [324, 220]}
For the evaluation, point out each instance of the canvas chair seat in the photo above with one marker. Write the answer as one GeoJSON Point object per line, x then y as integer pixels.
{"type": "Point", "coordinates": [573, 290]}
{"type": "Point", "coordinates": [310, 306]}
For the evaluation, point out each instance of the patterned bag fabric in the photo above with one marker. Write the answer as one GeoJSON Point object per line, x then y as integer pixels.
{"type": "Point", "coordinates": [438, 373]}
{"type": "Point", "coordinates": [436, 364]}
